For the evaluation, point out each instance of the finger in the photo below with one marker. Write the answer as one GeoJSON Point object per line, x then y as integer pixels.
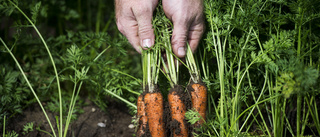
{"type": "Point", "coordinates": [194, 35]}
{"type": "Point", "coordinates": [164, 57]}
{"type": "Point", "coordinates": [179, 39]}
{"type": "Point", "coordinates": [145, 30]}
{"type": "Point", "coordinates": [130, 31]}
{"type": "Point", "coordinates": [128, 26]}
{"type": "Point", "coordinates": [132, 35]}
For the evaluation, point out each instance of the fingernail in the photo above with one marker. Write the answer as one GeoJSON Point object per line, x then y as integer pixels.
{"type": "Point", "coordinates": [181, 51]}
{"type": "Point", "coordinates": [146, 43]}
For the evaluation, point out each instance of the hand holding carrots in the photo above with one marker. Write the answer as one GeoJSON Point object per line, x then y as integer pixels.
{"type": "Point", "coordinates": [134, 21]}
{"type": "Point", "coordinates": [151, 113]}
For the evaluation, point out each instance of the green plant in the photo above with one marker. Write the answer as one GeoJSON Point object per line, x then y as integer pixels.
{"type": "Point", "coordinates": [247, 57]}
{"type": "Point", "coordinates": [11, 134]}
{"type": "Point", "coordinates": [85, 49]}
{"type": "Point", "coordinates": [192, 116]}
{"type": "Point", "coordinates": [13, 90]}
{"type": "Point", "coordinates": [27, 128]}
{"type": "Point", "coordinates": [8, 134]}
{"type": "Point", "coordinates": [79, 75]}
{"type": "Point", "coordinates": [259, 59]}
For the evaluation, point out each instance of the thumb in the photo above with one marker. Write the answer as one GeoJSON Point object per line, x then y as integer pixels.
{"type": "Point", "coordinates": [145, 31]}
{"type": "Point", "coordinates": [179, 39]}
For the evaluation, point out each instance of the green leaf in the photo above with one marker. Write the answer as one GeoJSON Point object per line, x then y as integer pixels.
{"type": "Point", "coordinates": [35, 12]}
{"type": "Point", "coordinates": [192, 116]}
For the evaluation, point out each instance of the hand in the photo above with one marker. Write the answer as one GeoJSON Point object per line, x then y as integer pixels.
{"type": "Point", "coordinates": [188, 23]}
{"type": "Point", "coordinates": [134, 21]}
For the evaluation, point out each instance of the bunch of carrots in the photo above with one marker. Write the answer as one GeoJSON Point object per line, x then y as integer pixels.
{"type": "Point", "coordinates": [150, 104]}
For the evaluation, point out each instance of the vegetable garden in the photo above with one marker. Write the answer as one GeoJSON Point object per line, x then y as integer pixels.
{"type": "Point", "coordinates": [255, 72]}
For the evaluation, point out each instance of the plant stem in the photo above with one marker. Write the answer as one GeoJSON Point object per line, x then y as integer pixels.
{"type": "Point", "coordinates": [106, 27]}
{"type": "Point", "coordinates": [236, 106]}
{"type": "Point", "coordinates": [254, 105]}
{"type": "Point", "coordinates": [257, 100]}
{"type": "Point", "coordinates": [38, 128]}
{"type": "Point", "coordinates": [126, 74]}
{"type": "Point", "coordinates": [4, 123]}
{"type": "Point", "coordinates": [305, 116]}
{"type": "Point", "coordinates": [71, 103]}
{"type": "Point", "coordinates": [312, 105]}
{"type": "Point", "coordinates": [98, 20]}
{"type": "Point", "coordinates": [122, 99]}
{"type": "Point", "coordinates": [299, 96]}
{"type": "Point", "coordinates": [299, 101]}
{"type": "Point", "coordinates": [192, 66]}
{"type": "Point", "coordinates": [34, 93]}
{"type": "Point", "coordinates": [131, 91]}
{"type": "Point", "coordinates": [172, 67]}
{"type": "Point", "coordinates": [51, 58]}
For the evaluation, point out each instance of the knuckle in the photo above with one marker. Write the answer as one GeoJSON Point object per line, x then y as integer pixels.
{"type": "Point", "coordinates": [179, 39]}
{"type": "Point", "coordinates": [143, 10]}
{"type": "Point", "coordinates": [145, 29]}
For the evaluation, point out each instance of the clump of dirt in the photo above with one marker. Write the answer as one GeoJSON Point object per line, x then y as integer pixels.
{"type": "Point", "coordinates": [174, 125]}
{"type": "Point", "coordinates": [92, 123]}
{"type": "Point", "coordinates": [147, 132]}
{"type": "Point", "coordinates": [167, 118]}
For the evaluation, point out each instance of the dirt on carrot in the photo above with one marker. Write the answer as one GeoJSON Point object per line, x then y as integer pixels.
{"type": "Point", "coordinates": [198, 93]}
{"type": "Point", "coordinates": [178, 102]}
{"type": "Point", "coordinates": [141, 115]}
{"type": "Point", "coordinates": [155, 113]}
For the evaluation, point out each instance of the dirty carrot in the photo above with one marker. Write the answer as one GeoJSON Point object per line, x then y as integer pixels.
{"type": "Point", "coordinates": [141, 115]}
{"type": "Point", "coordinates": [152, 122]}
{"type": "Point", "coordinates": [178, 125]}
{"type": "Point", "coordinates": [178, 110]}
{"type": "Point", "coordinates": [154, 110]}
{"type": "Point", "coordinates": [199, 101]}
{"type": "Point", "coordinates": [197, 88]}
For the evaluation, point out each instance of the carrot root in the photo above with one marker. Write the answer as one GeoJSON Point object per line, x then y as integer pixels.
{"type": "Point", "coordinates": [178, 110]}
{"type": "Point", "coordinates": [154, 110]}
{"type": "Point", "coordinates": [141, 115]}
{"type": "Point", "coordinates": [199, 101]}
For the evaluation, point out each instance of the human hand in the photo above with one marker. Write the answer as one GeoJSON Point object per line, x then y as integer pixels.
{"type": "Point", "coordinates": [134, 21]}
{"type": "Point", "coordinates": [188, 23]}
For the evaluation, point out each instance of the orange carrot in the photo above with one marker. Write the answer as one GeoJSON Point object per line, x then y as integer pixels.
{"type": "Point", "coordinates": [141, 115]}
{"type": "Point", "coordinates": [199, 100]}
{"type": "Point", "coordinates": [154, 109]}
{"type": "Point", "coordinates": [178, 110]}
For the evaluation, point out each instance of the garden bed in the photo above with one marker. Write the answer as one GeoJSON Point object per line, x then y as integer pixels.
{"type": "Point", "coordinates": [259, 60]}
{"type": "Point", "coordinates": [116, 120]}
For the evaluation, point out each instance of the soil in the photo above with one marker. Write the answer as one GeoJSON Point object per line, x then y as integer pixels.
{"type": "Point", "coordinates": [116, 121]}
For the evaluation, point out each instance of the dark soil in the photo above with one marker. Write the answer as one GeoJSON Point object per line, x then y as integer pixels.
{"type": "Point", "coordinates": [116, 120]}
